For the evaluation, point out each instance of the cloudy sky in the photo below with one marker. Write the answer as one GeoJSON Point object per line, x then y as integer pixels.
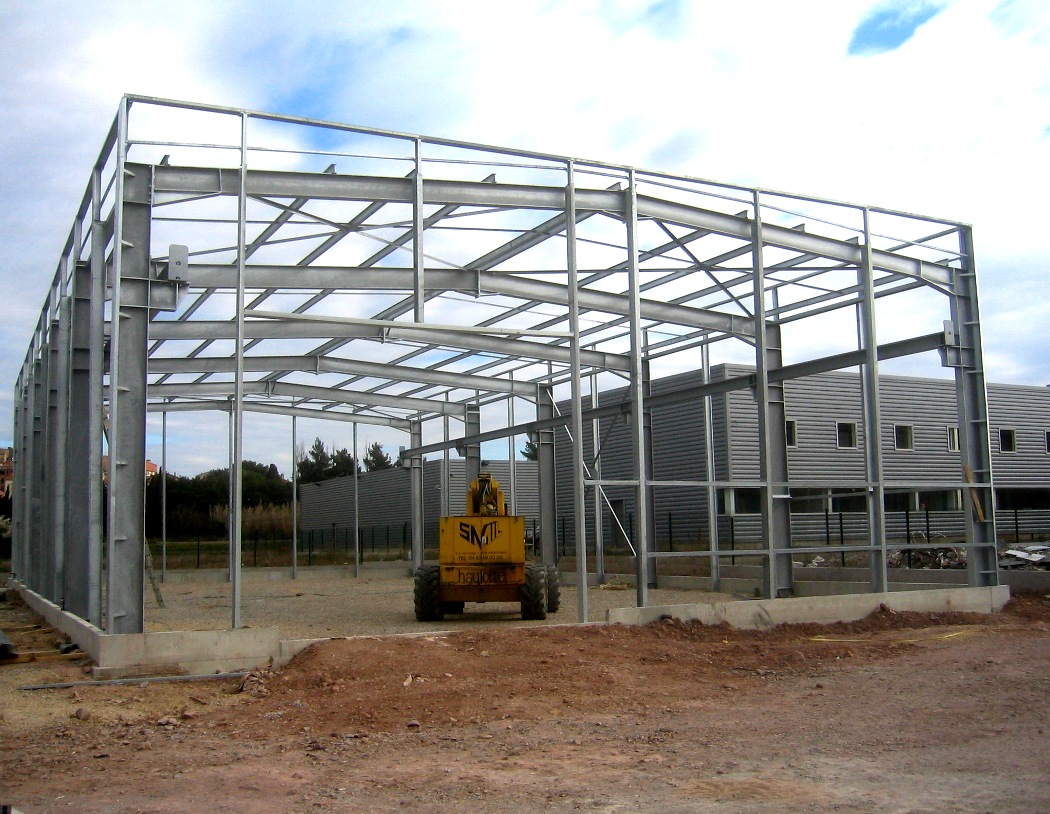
{"type": "Point", "coordinates": [940, 108]}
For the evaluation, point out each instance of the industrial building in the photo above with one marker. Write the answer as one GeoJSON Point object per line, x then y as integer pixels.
{"type": "Point", "coordinates": [824, 436]}
{"type": "Point", "coordinates": [234, 260]}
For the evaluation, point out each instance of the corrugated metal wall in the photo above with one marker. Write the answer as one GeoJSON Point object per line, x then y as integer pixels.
{"type": "Point", "coordinates": [817, 404]}
{"type": "Point", "coordinates": [383, 497]}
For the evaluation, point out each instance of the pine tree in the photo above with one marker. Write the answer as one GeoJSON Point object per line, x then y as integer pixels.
{"type": "Point", "coordinates": [375, 459]}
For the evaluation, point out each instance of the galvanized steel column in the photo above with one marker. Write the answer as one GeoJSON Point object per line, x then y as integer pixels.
{"type": "Point", "coordinates": [772, 442]}
{"type": "Point", "coordinates": [237, 416]}
{"type": "Point", "coordinates": [599, 493]}
{"type": "Point", "coordinates": [547, 477]}
{"type": "Point", "coordinates": [869, 388]}
{"type": "Point", "coordinates": [39, 549]}
{"type": "Point", "coordinates": [295, 499]}
{"type": "Point", "coordinates": [639, 436]}
{"type": "Point", "coordinates": [711, 475]}
{"type": "Point", "coordinates": [472, 452]}
{"type": "Point", "coordinates": [125, 539]}
{"type": "Point", "coordinates": [579, 502]}
{"type": "Point", "coordinates": [77, 504]}
{"type": "Point", "coordinates": [415, 472]}
{"type": "Point", "coordinates": [58, 411]}
{"type": "Point", "coordinates": [982, 566]}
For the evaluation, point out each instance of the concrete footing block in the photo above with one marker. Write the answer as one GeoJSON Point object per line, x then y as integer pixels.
{"type": "Point", "coordinates": [762, 614]}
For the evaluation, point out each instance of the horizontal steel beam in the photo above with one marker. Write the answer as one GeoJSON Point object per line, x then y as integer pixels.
{"type": "Point", "coordinates": [467, 281]}
{"type": "Point", "coordinates": [296, 329]}
{"type": "Point", "coordinates": [893, 350]}
{"type": "Point", "coordinates": [309, 393]}
{"type": "Point", "coordinates": [224, 405]}
{"type": "Point", "coordinates": [472, 193]}
{"type": "Point", "coordinates": [351, 367]}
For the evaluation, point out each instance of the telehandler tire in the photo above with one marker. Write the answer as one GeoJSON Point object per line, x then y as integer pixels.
{"type": "Point", "coordinates": [553, 589]}
{"type": "Point", "coordinates": [534, 593]}
{"type": "Point", "coordinates": [427, 594]}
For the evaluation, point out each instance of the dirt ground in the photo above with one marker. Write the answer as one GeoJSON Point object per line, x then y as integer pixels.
{"type": "Point", "coordinates": [896, 713]}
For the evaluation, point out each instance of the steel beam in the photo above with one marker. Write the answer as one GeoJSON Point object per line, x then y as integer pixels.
{"type": "Point", "coordinates": [468, 281]}
{"type": "Point", "coordinates": [468, 193]}
{"type": "Point", "coordinates": [125, 539]}
{"type": "Point", "coordinates": [332, 364]}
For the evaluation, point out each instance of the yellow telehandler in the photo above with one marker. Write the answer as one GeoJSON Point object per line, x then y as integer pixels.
{"type": "Point", "coordinates": [481, 558]}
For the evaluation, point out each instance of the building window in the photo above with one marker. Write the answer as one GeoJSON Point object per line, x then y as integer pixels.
{"type": "Point", "coordinates": [953, 439]}
{"type": "Point", "coordinates": [1048, 442]}
{"type": "Point", "coordinates": [1008, 440]}
{"type": "Point", "coordinates": [903, 436]}
{"type": "Point", "coordinates": [791, 433]}
{"type": "Point", "coordinates": [847, 435]}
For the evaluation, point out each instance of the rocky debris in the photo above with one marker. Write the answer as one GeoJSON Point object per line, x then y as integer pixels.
{"type": "Point", "coordinates": [255, 682]}
{"type": "Point", "coordinates": [1035, 557]}
{"type": "Point", "coordinates": [928, 558]}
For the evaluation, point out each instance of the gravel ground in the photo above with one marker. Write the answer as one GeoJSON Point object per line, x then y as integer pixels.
{"type": "Point", "coordinates": [377, 602]}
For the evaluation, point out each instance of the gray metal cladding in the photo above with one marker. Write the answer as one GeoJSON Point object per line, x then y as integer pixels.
{"type": "Point", "coordinates": [383, 496]}
{"type": "Point", "coordinates": [817, 404]}
{"type": "Point", "coordinates": [1026, 411]}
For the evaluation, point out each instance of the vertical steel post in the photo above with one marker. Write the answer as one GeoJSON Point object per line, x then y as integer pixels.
{"type": "Point", "coordinates": [295, 500]}
{"type": "Point", "coordinates": [41, 563]}
{"type": "Point", "coordinates": [96, 396]}
{"type": "Point", "coordinates": [58, 416]}
{"type": "Point", "coordinates": [418, 260]}
{"type": "Point", "coordinates": [974, 431]}
{"type": "Point", "coordinates": [512, 507]}
{"type": "Point", "coordinates": [599, 492]}
{"type": "Point", "coordinates": [872, 413]}
{"type": "Point", "coordinates": [163, 496]}
{"type": "Point", "coordinates": [772, 442]}
{"type": "Point", "coordinates": [711, 475]}
{"type": "Point", "coordinates": [639, 436]}
{"type": "Point", "coordinates": [547, 471]}
{"type": "Point", "coordinates": [357, 510]}
{"type": "Point", "coordinates": [237, 465]}
{"type": "Point", "coordinates": [472, 452]}
{"type": "Point", "coordinates": [125, 539]}
{"type": "Point", "coordinates": [445, 467]}
{"type": "Point", "coordinates": [579, 503]}
{"type": "Point", "coordinates": [416, 493]}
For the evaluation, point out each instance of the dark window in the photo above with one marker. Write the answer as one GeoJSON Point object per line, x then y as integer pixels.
{"type": "Point", "coordinates": [1008, 440]}
{"type": "Point", "coordinates": [1048, 442]}
{"type": "Point", "coordinates": [847, 435]}
{"type": "Point", "coordinates": [747, 501]}
{"type": "Point", "coordinates": [953, 439]}
{"type": "Point", "coordinates": [846, 500]}
{"type": "Point", "coordinates": [791, 432]}
{"type": "Point", "coordinates": [903, 436]}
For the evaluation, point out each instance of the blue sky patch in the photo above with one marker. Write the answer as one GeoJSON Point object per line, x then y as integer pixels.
{"type": "Point", "coordinates": [887, 27]}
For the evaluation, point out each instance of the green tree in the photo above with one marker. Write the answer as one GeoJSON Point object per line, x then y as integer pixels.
{"type": "Point", "coordinates": [375, 459]}
{"type": "Point", "coordinates": [343, 464]}
{"type": "Point", "coordinates": [317, 464]}
{"type": "Point", "coordinates": [530, 452]}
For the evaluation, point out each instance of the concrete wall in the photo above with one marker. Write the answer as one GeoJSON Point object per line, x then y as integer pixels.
{"type": "Point", "coordinates": [765, 613]}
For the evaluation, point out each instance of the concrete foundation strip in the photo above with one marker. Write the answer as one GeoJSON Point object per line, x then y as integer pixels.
{"type": "Point", "coordinates": [65, 685]}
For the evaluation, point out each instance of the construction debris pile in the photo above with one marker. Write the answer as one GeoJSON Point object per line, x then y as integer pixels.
{"type": "Point", "coordinates": [1034, 557]}
{"type": "Point", "coordinates": [928, 558]}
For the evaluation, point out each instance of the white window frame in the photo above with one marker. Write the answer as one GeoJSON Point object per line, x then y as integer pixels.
{"type": "Point", "coordinates": [953, 438]}
{"type": "Point", "coordinates": [838, 436]}
{"type": "Point", "coordinates": [909, 432]}
{"type": "Point", "coordinates": [1013, 437]}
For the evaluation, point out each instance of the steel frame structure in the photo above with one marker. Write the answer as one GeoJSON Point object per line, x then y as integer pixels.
{"type": "Point", "coordinates": [260, 262]}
